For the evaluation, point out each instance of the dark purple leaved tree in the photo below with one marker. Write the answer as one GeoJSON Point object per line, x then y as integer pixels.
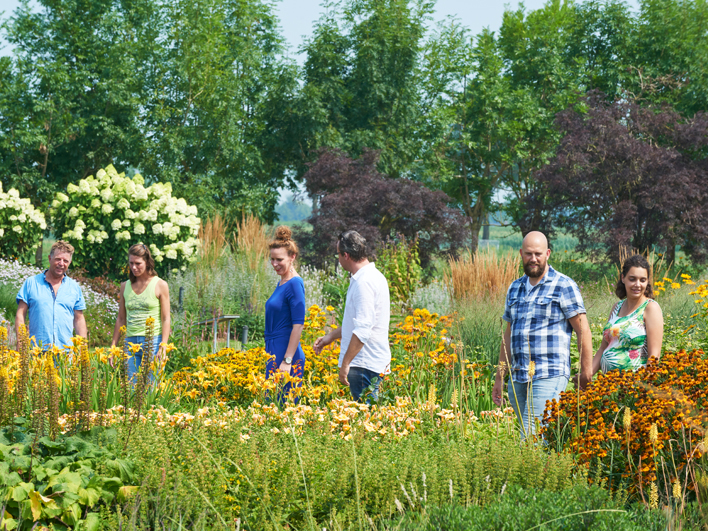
{"type": "Point", "coordinates": [629, 176]}
{"type": "Point", "coordinates": [352, 194]}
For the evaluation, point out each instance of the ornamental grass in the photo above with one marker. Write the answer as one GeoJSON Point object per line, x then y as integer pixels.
{"type": "Point", "coordinates": [643, 431]}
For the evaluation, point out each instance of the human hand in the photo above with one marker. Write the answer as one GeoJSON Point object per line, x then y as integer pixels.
{"type": "Point", "coordinates": [320, 343]}
{"type": "Point", "coordinates": [343, 375]}
{"type": "Point", "coordinates": [285, 367]}
{"type": "Point", "coordinates": [497, 392]}
{"type": "Point", "coordinates": [584, 379]}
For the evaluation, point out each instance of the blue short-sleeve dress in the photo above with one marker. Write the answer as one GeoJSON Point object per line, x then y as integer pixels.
{"type": "Point", "coordinates": [284, 308]}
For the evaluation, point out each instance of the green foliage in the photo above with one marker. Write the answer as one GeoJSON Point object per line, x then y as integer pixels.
{"type": "Point", "coordinates": [103, 216]}
{"type": "Point", "coordinates": [400, 264]}
{"type": "Point", "coordinates": [21, 225]}
{"type": "Point", "coordinates": [260, 479]}
{"type": "Point", "coordinates": [579, 507]}
{"type": "Point", "coordinates": [62, 483]}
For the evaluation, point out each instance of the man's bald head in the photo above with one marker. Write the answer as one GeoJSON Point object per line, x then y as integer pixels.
{"type": "Point", "coordinates": [534, 254]}
{"type": "Point", "coordinates": [535, 240]}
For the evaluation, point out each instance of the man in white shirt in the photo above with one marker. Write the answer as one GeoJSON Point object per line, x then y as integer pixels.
{"type": "Point", "coordinates": [365, 354]}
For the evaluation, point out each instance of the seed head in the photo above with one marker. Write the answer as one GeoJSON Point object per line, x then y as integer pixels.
{"type": "Point", "coordinates": [532, 368]}
{"type": "Point", "coordinates": [654, 496]}
{"type": "Point", "coordinates": [653, 434]}
{"type": "Point", "coordinates": [627, 420]}
{"type": "Point", "coordinates": [677, 489]}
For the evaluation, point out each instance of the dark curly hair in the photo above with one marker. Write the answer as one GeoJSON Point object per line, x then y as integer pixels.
{"type": "Point", "coordinates": [636, 260]}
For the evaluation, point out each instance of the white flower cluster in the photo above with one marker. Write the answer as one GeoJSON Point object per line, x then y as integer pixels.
{"type": "Point", "coordinates": [113, 206]}
{"type": "Point", "coordinates": [19, 216]}
{"type": "Point", "coordinates": [14, 273]}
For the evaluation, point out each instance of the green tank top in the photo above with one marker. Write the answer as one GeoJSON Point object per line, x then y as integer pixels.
{"type": "Point", "coordinates": [139, 307]}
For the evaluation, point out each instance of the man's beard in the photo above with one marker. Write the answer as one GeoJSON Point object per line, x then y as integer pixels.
{"type": "Point", "coordinates": [534, 270]}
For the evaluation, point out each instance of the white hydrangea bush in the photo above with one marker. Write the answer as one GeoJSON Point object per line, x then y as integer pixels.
{"type": "Point", "coordinates": [104, 215]}
{"type": "Point", "coordinates": [21, 225]}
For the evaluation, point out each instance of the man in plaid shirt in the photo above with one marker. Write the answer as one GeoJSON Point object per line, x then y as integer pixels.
{"type": "Point", "coordinates": [542, 309]}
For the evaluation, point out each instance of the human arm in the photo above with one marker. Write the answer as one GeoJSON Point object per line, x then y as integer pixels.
{"type": "Point", "coordinates": [322, 342]}
{"type": "Point", "coordinates": [355, 346]}
{"type": "Point", "coordinates": [80, 328]}
{"type": "Point", "coordinates": [292, 347]}
{"type": "Point", "coordinates": [654, 323]}
{"type": "Point", "coordinates": [580, 324]}
{"type": "Point", "coordinates": [20, 317]}
{"type": "Point", "coordinates": [121, 320]}
{"type": "Point", "coordinates": [504, 358]}
{"type": "Point", "coordinates": [162, 292]}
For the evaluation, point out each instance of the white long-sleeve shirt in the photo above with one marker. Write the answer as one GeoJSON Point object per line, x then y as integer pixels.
{"type": "Point", "coordinates": [367, 314]}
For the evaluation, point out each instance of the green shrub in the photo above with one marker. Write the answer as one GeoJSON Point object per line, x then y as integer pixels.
{"type": "Point", "coordinates": [63, 483]}
{"type": "Point", "coordinates": [103, 216]}
{"type": "Point", "coordinates": [259, 479]}
{"type": "Point", "coordinates": [579, 507]}
{"type": "Point", "coordinates": [21, 226]}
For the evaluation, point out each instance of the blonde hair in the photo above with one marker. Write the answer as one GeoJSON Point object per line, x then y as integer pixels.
{"type": "Point", "coordinates": [283, 240]}
{"type": "Point", "coordinates": [61, 246]}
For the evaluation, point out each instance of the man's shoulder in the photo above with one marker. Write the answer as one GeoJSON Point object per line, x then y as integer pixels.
{"type": "Point", "coordinates": [73, 283]}
{"type": "Point", "coordinates": [33, 280]}
{"type": "Point", "coordinates": [562, 279]}
{"type": "Point", "coordinates": [516, 284]}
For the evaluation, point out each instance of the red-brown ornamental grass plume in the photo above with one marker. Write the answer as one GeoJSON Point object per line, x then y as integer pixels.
{"type": "Point", "coordinates": [482, 274]}
{"type": "Point", "coordinates": [662, 410]}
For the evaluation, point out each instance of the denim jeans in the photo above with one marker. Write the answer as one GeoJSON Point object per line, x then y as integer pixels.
{"type": "Point", "coordinates": [529, 399]}
{"type": "Point", "coordinates": [136, 359]}
{"type": "Point", "coordinates": [360, 378]}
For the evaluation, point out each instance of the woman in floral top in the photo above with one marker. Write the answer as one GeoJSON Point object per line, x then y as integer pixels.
{"type": "Point", "coordinates": [635, 329]}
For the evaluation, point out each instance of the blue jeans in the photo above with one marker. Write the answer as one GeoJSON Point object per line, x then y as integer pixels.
{"type": "Point", "coordinates": [359, 379]}
{"type": "Point", "coordinates": [540, 391]}
{"type": "Point", "coordinates": [136, 359]}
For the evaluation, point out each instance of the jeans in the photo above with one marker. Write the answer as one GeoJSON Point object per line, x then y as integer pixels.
{"type": "Point", "coordinates": [540, 390]}
{"type": "Point", "coordinates": [136, 359]}
{"type": "Point", "coordinates": [360, 379]}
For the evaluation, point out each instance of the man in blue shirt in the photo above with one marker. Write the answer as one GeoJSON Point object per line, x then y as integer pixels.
{"type": "Point", "coordinates": [54, 301]}
{"type": "Point", "coordinates": [543, 308]}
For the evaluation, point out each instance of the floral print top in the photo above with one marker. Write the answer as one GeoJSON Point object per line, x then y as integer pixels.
{"type": "Point", "coordinates": [626, 340]}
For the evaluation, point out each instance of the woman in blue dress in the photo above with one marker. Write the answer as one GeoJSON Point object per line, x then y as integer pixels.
{"type": "Point", "coordinates": [285, 312]}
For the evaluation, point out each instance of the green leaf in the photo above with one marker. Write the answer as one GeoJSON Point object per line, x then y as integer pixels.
{"type": "Point", "coordinates": [126, 492]}
{"type": "Point", "coordinates": [89, 496]}
{"type": "Point", "coordinates": [92, 522]}
{"type": "Point", "coordinates": [8, 524]}
{"type": "Point", "coordinates": [122, 469]}
{"type": "Point", "coordinates": [21, 491]}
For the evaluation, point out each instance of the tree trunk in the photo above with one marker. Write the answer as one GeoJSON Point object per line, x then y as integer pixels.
{"type": "Point", "coordinates": [38, 255]}
{"type": "Point", "coordinates": [485, 229]}
{"type": "Point", "coordinates": [670, 257]}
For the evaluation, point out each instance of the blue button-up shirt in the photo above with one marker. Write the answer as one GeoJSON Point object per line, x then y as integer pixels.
{"type": "Point", "coordinates": [540, 330]}
{"type": "Point", "coordinates": [51, 315]}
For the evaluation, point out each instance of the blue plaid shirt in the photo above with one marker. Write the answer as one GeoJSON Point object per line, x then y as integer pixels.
{"type": "Point", "coordinates": [540, 330]}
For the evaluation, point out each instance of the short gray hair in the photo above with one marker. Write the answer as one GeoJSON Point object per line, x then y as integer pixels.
{"type": "Point", "coordinates": [354, 244]}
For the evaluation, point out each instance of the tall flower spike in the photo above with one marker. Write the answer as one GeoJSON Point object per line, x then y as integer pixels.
{"type": "Point", "coordinates": [627, 419]}
{"type": "Point", "coordinates": [532, 368]}
{"type": "Point", "coordinates": [677, 489]}
{"type": "Point", "coordinates": [653, 434]}
{"type": "Point", "coordinates": [654, 496]}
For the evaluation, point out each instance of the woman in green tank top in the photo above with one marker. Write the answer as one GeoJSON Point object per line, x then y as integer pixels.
{"type": "Point", "coordinates": [635, 328]}
{"type": "Point", "coordinates": [144, 296]}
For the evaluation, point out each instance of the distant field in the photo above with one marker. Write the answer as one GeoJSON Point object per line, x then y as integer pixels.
{"type": "Point", "coordinates": [510, 238]}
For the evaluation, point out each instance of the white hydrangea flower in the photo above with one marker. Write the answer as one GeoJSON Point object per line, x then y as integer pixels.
{"type": "Point", "coordinates": [138, 179]}
{"type": "Point", "coordinates": [22, 217]}
{"type": "Point", "coordinates": [123, 203]}
{"type": "Point", "coordinates": [139, 228]}
{"type": "Point", "coordinates": [13, 193]}
{"type": "Point", "coordinates": [116, 224]}
{"type": "Point", "coordinates": [62, 197]}
{"type": "Point", "coordinates": [79, 224]}
{"type": "Point", "coordinates": [107, 208]}
{"type": "Point", "coordinates": [101, 174]}
{"type": "Point", "coordinates": [84, 186]}
{"type": "Point", "coordinates": [72, 188]}
{"type": "Point", "coordinates": [17, 229]}
{"type": "Point", "coordinates": [157, 228]}
{"type": "Point", "coordinates": [130, 214]}
{"type": "Point", "coordinates": [152, 214]}
{"type": "Point", "coordinates": [107, 195]}
{"type": "Point", "coordinates": [96, 203]}
{"type": "Point", "coordinates": [171, 254]}
{"type": "Point", "coordinates": [73, 212]}
{"type": "Point", "coordinates": [13, 218]}
{"type": "Point", "coordinates": [2, 233]}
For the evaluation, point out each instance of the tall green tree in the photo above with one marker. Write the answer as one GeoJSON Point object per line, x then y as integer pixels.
{"type": "Point", "coordinates": [360, 80]}
{"type": "Point", "coordinates": [180, 90]}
